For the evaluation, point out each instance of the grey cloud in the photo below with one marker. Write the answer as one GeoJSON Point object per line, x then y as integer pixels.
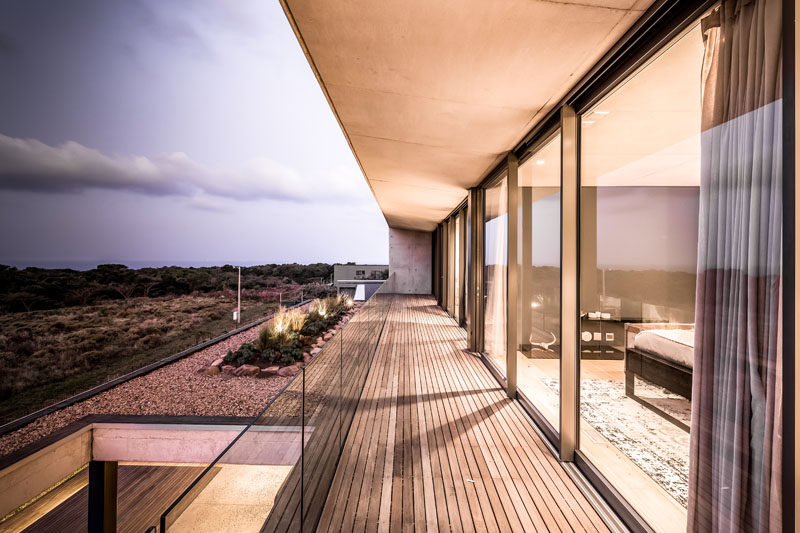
{"type": "Point", "coordinates": [30, 165]}
{"type": "Point", "coordinates": [8, 46]}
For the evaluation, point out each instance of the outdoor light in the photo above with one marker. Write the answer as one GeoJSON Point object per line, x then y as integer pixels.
{"type": "Point", "coordinates": [588, 122]}
{"type": "Point", "coordinates": [540, 162]}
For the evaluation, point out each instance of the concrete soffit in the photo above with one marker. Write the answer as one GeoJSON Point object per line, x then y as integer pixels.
{"type": "Point", "coordinates": [431, 96]}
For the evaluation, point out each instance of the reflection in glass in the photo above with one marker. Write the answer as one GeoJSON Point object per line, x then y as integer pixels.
{"type": "Point", "coordinates": [451, 265]}
{"type": "Point", "coordinates": [640, 190]}
{"type": "Point", "coordinates": [495, 271]}
{"type": "Point", "coordinates": [457, 268]}
{"type": "Point", "coordinates": [539, 315]}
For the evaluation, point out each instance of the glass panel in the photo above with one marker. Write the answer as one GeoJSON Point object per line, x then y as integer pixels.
{"type": "Point", "coordinates": [322, 420]}
{"type": "Point", "coordinates": [640, 178]}
{"type": "Point", "coordinates": [494, 273]}
{"type": "Point", "coordinates": [253, 479]}
{"type": "Point", "coordinates": [683, 196]}
{"type": "Point", "coordinates": [539, 315]}
{"type": "Point", "coordinates": [451, 265]}
{"type": "Point", "coordinates": [464, 277]}
{"type": "Point", "coordinates": [276, 474]}
{"type": "Point", "coordinates": [457, 269]}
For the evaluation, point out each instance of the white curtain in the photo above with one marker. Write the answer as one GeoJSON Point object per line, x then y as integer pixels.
{"type": "Point", "coordinates": [736, 432]}
{"type": "Point", "coordinates": [496, 270]}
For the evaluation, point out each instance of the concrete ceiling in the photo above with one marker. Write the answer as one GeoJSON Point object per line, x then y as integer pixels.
{"type": "Point", "coordinates": [432, 94]}
{"type": "Point", "coordinates": [626, 141]}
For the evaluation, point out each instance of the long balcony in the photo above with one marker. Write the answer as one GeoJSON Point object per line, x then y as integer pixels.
{"type": "Point", "coordinates": [393, 425]}
{"type": "Point", "coordinates": [437, 445]}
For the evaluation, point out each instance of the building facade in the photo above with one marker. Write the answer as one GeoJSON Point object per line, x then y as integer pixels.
{"type": "Point", "coordinates": [607, 194]}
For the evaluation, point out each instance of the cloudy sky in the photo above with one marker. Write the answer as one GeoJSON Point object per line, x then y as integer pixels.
{"type": "Point", "coordinates": [171, 132]}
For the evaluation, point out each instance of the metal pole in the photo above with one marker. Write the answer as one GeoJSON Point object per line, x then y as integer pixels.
{"type": "Point", "coordinates": [239, 300]}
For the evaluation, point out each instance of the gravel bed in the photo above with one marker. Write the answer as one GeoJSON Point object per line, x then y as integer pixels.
{"type": "Point", "coordinates": [174, 390]}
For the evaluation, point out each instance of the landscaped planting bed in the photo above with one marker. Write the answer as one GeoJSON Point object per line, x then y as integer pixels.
{"type": "Point", "coordinates": [288, 342]}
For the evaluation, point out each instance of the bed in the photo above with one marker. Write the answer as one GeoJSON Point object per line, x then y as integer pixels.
{"type": "Point", "coordinates": [662, 354]}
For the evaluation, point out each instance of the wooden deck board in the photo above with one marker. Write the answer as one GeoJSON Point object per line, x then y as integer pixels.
{"type": "Point", "coordinates": [145, 491]}
{"type": "Point", "coordinates": [436, 445]}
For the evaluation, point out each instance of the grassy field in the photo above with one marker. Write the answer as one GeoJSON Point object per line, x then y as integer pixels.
{"type": "Point", "coordinates": [46, 356]}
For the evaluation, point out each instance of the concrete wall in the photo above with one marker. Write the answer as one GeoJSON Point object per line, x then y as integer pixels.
{"type": "Point", "coordinates": [410, 261]}
{"type": "Point", "coordinates": [27, 478]}
{"type": "Point", "coordinates": [185, 443]}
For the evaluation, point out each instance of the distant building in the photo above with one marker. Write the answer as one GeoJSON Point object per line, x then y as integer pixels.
{"type": "Point", "coordinates": [359, 281]}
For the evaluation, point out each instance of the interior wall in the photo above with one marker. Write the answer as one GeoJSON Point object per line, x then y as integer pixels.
{"type": "Point", "coordinates": [410, 261]}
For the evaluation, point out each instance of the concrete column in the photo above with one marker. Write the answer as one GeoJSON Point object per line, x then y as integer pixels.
{"type": "Point", "coordinates": [411, 260]}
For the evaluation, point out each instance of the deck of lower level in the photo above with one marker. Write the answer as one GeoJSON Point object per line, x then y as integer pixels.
{"type": "Point", "coordinates": [436, 445]}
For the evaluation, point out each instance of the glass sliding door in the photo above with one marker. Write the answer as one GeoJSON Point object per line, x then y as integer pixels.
{"type": "Point", "coordinates": [457, 267]}
{"type": "Point", "coordinates": [495, 271]}
{"type": "Point", "coordinates": [463, 294]}
{"type": "Point", "coordinates": [539, 250]}
{"type": "Point", "coordinates": [680, 254]}
{"type": "Point", "coordinates": [452, 267]}
{"type": "Point", "coordinates": [640, 193]}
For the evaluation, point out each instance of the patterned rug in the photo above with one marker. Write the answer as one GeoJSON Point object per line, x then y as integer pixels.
{"type": "Point", "coordinates": [658, 447]}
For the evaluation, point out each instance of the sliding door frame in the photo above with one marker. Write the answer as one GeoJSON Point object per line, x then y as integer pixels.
{"type": "Point", "coordinates": [475, 269]}
{"type": "Point", "coordinates": [512, 273]}
{"type": "Point", "coordinates": [569, 367]}
{"type": "Point", "coordinates": [660, 23]}
{"type": "Point", "coordinates": [462, 267]}
{"type": "Point", "coordinates": [525, 253]}
{"type": "Point", "coordinates": [791, 313]}
{"type": "Point", "coordinates": [494, 178]}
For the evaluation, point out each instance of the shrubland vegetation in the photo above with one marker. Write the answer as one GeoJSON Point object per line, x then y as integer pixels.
{"type": "Point", "coordinates": [64, 331]}
{"type": "Point", "coordinates": [36, 289]}
{"type": "Point", "coordinates": [291, 332]}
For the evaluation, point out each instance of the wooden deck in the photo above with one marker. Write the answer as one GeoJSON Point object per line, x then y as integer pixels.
{"type": "Point", "coordinates": [145, 491]}
{"type": "Point", "coordinates": [436, 445]}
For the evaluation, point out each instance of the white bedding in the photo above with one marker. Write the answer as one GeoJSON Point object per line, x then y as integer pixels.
{"type": "Point", "coordinates": [672, 344]}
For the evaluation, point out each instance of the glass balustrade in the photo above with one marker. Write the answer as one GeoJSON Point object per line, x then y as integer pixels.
{"type": "Point", "coordinates": [276, 474]}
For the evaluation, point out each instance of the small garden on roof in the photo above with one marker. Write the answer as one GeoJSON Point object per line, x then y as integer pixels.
{"type": "Point", "coordinates": [289, 340]}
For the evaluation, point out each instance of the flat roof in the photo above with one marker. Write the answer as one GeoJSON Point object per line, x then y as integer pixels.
{"type": "Point", "coordinates": [431, 95]}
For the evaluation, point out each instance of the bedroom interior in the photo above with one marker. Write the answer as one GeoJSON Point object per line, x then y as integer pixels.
{"type": "Point", "coordinates": [679, 200]}
{"type": "Point", "coordinates": [639, 215]}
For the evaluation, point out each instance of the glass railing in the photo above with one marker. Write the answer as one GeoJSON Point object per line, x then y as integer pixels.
{"type": "Point", "coordinates": [275, 475]}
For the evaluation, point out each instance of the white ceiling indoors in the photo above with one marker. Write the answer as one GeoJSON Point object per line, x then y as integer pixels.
{"type": "Point", "coordinates": [431, 94]}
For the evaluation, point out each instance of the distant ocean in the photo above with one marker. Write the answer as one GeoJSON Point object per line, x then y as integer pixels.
{"type": "Point", "coordinates": [89, 265]}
